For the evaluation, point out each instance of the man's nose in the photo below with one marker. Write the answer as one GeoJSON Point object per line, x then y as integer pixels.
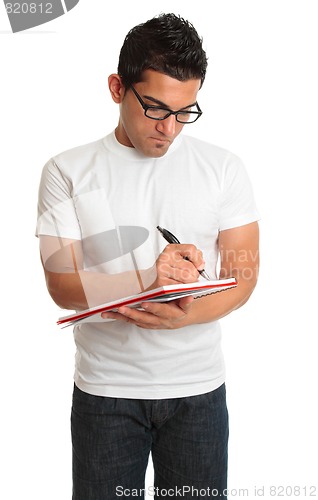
{"type": "Point", "coordinates": [167, 126]}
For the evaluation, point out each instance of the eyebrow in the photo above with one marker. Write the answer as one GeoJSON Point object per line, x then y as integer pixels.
{"type": "Point", "coordinates": [162, 104]}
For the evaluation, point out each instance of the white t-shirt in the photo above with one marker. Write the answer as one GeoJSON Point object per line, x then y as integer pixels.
{"type": "Point", "coordinates": [112, 198]}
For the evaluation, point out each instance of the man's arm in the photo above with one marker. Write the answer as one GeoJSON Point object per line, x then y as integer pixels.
{"type": "Point", "coordinates": [72, 287]}
{"type": "Point", "coordinates": [239, 255]}
{"type": "Point", "coordinates": [62, 259]}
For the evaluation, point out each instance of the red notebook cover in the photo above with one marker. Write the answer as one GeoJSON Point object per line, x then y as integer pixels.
{"type": "Point", "coordinates": [162, 294]}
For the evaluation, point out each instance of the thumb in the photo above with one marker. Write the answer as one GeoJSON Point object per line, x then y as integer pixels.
{"type": "Point", "coordinates": [185, 303]}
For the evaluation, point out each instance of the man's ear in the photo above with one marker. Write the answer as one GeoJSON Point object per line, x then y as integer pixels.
{"type": "Point", "coordinates": [117, 89]}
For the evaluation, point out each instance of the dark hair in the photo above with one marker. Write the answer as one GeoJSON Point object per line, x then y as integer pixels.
{"type": "Point", "coordinates": [167, 44]}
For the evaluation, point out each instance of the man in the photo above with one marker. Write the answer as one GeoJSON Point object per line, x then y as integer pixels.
{"type": "Point", "coordinates": [149, 379]}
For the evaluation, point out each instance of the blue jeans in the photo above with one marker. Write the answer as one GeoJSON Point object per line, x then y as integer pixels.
{"type": "Point", "coordinates": [112, 439]}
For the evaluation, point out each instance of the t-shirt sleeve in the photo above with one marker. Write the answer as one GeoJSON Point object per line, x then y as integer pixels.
{"type": "Point", "coordinates": [237, 204]}
{"type": "Point", "coordinates": [56, 211]}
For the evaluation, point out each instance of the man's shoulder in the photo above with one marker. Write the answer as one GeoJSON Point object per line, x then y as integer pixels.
{"type": "Point", "coordinates": [75, 162]}
{"type": "Point", "coordinates": [82, 151]}
{"type": "Point", "coordinates": [208, 149]}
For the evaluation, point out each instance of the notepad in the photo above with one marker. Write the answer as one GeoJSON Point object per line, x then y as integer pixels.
{"type": "Point", "coordinates": [161, 294]}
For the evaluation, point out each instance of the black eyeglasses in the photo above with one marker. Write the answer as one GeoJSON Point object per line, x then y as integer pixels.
{"type": "Point", "coordinates": [157, 113]}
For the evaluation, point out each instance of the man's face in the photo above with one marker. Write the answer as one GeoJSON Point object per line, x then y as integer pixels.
{"type": "Point", "coordinates": [151, 137]}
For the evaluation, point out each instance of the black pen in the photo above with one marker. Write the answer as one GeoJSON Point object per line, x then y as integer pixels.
{"type": "Point", "coordinates": [172, 239]}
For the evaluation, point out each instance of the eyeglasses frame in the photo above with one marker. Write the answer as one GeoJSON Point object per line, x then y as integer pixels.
{"type": "Point", "coordinates": [169, 111]}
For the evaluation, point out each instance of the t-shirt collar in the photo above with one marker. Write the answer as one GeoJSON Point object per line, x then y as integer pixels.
{"type": "Point", "coordinates": [129, 153]}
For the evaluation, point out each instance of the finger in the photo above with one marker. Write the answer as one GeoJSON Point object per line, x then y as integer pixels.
{"type": "Point", "coordinates": [170, 311]}
{"type": "Point", "coordinates": [134, 316]}
{"type": "Point", "coordinates": [184, 273]}
{"type": "Point", "coordinates": [172, 266]}
{"type": "Point", "coordinates": [194, 255]}
{"type": "Point", "coordinates": [185, 304]}
{"type": "Point", "coordinates": [186, 251]}
{"type": "Point", "coordinates": [114, 316]}
{"type": "Point", "coordinates": [154, 315]}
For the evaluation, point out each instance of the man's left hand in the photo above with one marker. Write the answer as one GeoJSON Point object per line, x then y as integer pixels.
{"type": "Point", "coordinates": [155, 315]}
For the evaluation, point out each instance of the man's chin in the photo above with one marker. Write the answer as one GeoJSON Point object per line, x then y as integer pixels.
{"type": "Point", "coordinates": [156, 152]}
{"type": "Point", "coordinates": [158, 148]}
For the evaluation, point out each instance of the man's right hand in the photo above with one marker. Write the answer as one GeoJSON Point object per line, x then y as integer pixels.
{"type": "Point", "coordinates": [179, 263]}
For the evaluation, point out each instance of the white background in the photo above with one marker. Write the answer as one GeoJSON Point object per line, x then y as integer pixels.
{"type": "Point", "coordinates": [259, 101]}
